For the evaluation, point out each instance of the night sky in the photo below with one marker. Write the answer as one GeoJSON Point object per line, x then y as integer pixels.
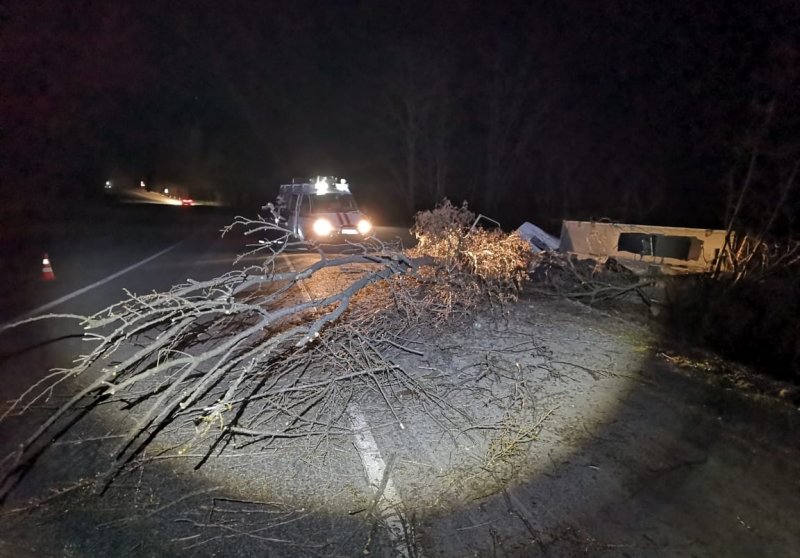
{"type": "Point", "coordinates": [633, 111]}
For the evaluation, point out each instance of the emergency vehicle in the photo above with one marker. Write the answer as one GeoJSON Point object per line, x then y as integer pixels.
{"type": "Point", "coordinates": [321, 209]}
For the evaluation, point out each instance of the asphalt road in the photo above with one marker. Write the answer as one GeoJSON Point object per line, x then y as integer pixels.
{"type": "Point", "coordinates": [137, 250]}
{"type": "Point", "coordinates": [130, 249]}
{"type": "Point", "coordinates": [625, 455]}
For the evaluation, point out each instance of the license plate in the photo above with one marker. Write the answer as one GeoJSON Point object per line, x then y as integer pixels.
{"type": "Point", "coordinates": [349, 231]}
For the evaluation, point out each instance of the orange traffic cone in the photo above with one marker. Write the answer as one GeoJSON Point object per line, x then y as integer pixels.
{"type": "Point", "coordinates": [47, 269]}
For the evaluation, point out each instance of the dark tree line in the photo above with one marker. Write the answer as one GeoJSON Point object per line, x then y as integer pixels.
{"type": "Point", "coordinates": [66, 72]}
{"type": "Point", "coordinates": [637, 113]}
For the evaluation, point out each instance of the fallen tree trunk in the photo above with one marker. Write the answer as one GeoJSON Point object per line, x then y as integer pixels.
{"type": "Point", "coordinates": [251, 356]}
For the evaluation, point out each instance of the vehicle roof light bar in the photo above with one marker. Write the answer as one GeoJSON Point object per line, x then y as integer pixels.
{"type": "Point", "coordinates": [321, 186]}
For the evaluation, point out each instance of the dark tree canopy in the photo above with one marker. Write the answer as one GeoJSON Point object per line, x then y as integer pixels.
{"type": "Point", "coordinates": [528, 111]}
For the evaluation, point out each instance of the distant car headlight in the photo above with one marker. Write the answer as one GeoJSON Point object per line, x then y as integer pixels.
{"type": "Point", "coordinates": [322, 227]}
{"type": "Point", "coordinates": [364, 226]}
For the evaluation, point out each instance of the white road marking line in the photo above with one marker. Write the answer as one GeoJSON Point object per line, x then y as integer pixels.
{"type": "Point", "coordinates": [375, 468]}
{"type": "Point", "coordinates": [94, 285]}
{"type": "Point", "coordinates": [301, 284]}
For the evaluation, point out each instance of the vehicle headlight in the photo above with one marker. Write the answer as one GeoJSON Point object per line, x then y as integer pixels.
{"type": "Point", "coordinates": [364, 226]}
{"type": "Point", "coordinates": [322, 227]}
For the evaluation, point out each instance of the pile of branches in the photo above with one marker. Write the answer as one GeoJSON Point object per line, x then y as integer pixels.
{"type": "Point", "coordinates": [589, 280]}
{"type": "Point", "coordinates": [476, 262]}
{"type": "Point", "coordinates": [252, 357]}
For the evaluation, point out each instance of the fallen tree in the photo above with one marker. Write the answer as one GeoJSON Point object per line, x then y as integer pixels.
{"type": "Point", "coordinates": [591, 281]}
{"type": "Point", "coordinates": [253, 356]}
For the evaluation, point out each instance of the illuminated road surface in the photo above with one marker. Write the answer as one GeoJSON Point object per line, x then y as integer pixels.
{"type": "Point", "coordinates": [631, 458]}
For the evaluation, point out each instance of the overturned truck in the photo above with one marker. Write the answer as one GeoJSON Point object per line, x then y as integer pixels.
{"type": "Point", "coordinates": [644, 247]}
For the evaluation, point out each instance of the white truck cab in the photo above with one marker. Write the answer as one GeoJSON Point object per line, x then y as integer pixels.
{"type": "Point", "coordinates": [321, 209]}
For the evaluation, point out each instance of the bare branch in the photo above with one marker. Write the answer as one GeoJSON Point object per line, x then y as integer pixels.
{"type": "Point", "coordinates": [249, 354]}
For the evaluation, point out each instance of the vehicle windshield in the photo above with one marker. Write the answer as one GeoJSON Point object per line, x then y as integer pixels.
{"type": "Point", "coordinates": [333, 203]}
